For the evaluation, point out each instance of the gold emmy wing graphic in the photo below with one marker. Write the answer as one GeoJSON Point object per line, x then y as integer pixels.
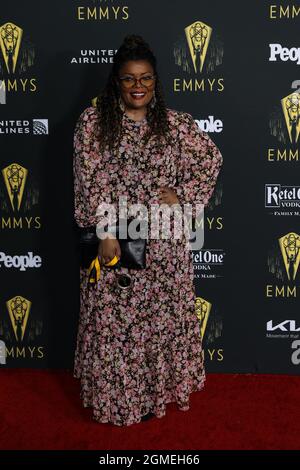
{"type": "Point", "coordinates": [10, 42]}
{"type": "Point", "coordinates": [203, 308]}
{"type": "Point", "coordinates": [18, 308]}
{"type": "Point", "coordinates": [291, 110]}
{"type": "Point", "coordinates": [289, 246]}
{"type": "Point", "coordinates": [198, 35]}
{"type": "Point", "coordinates": [15, 177]}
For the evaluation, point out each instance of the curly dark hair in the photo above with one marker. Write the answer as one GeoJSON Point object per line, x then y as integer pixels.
{"type": "Point", "coordinates": [133, 47]}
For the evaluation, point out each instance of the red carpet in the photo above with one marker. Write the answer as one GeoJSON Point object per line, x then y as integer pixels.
{"type": "Point", "coordinates": [41, 409]}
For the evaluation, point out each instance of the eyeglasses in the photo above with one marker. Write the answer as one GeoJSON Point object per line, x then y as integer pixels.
{"type": "Point", "coordinates": [129, 82]}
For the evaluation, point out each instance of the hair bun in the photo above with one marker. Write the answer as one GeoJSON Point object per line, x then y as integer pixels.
{"type": "Point", "coordinates": [132, 41]}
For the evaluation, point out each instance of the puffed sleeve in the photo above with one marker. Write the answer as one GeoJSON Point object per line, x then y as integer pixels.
{"type": "Point", "coordinates": [91, 179]}
{"type": "Point", "coordinates": [199, 164]}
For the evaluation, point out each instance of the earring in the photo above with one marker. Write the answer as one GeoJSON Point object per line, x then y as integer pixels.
{"type": "Point", "coordinates": [121, 104]}
{"type": "Point", "coordinates": [153, 101]}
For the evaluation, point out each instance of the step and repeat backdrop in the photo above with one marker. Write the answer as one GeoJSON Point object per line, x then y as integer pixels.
{"type": "Point", "coordinates": [235, 66]}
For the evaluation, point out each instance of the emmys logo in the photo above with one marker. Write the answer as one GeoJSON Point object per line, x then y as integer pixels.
{"type": "Point", "coordinates": [284, 264]}
{"type": "Point", "coordinates": [198, 52]}
{"type": "Point", "coordinates": [284, 12]}
{"type": "Point", "coordinates": [107, 10]}
{"type": "Point", "coordinates": [15, 177]}
{"type": "Point", "coordinates": [289, 246]}
{"type": "Point", "coordinates": [17, 53]}
{"type": "Point", "coordinates": [10, 42]}
{"type": "Point", "coordinates": [198, 36]}
{"type": "Point", "coordinates": [285, 126]}
{"type": "Point", "coordinates": [210, 326]}
{"type": "Point", "coordinates": [18, 308]}
{"type": "Point", "coordinates": [16, 56]}
{"type": "Point", "coordinates": [203, 308]}
{"type": "Point", "coordinates": [19, 312]}
{"type": "Point", "coordinates": [291, 111]}
{"type": "Point", "coordinates": [15, 181]}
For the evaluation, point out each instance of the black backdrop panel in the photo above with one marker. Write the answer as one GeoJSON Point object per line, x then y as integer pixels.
{"type": "Point", "coordinates": [246, 96]}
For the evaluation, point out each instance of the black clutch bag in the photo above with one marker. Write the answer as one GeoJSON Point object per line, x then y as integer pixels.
{"type": "Point", "coordinates": [133, 251]}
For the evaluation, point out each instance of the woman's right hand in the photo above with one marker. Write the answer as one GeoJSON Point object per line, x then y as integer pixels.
{"type": "Point", "coordinates": [108, 248]}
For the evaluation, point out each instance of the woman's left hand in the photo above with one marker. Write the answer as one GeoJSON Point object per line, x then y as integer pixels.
{"type": "Point", "coordinates": [168, 195]}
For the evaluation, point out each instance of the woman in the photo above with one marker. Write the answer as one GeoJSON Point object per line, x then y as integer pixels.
{"type": "Point", "coordinates": [139, 349]}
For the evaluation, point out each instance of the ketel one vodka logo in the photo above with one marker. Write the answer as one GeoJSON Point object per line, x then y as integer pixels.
{"type": "Point", "coordinates": [18, 308]}
{"type": "Point", "coordinates": [282, 200]}
{"type": "Point", "coordinates": [15, 178]}
{"type": "Point", "coordinates": [290, 250]}
{"type": "Point", "coordinates": [203, 308]}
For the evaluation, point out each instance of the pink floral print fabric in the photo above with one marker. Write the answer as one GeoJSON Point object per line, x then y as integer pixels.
{"type": "Point", "coordinates": [140, 349]}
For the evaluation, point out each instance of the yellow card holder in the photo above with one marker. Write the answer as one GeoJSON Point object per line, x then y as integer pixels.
{"type": "Point", "coordinates": [94, 268]}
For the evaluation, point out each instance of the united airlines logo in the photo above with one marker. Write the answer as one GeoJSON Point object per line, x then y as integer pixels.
{"type": "Point", "coordinates": [18, 308]}
{"type": "Point", "coordinates": [23, 126]}
{"type": "Point", "coordinates": [40, 127]}
{"type": "Point", "coordinates": [94, 56]}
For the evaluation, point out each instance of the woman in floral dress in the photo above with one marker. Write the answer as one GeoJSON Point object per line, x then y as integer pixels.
{"type": "Point", "coordinates": [139, 349]}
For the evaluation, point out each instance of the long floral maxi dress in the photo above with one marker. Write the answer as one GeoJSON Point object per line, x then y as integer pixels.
{"type": "Point", "coordinates": [139, 349]}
